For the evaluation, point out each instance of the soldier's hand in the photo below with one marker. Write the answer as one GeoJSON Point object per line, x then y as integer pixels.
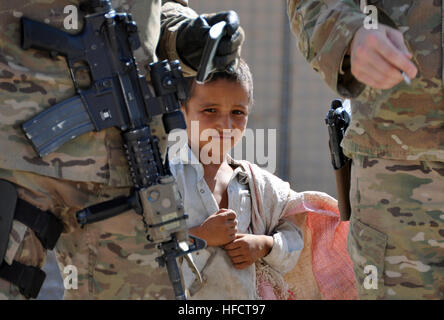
{"type": "Point", "coordinates": [193, 34]}
{"type": "Point", "coordinates": [378, 56]}
{"type": "Point", "coordinates": [218, 229]}
{"type": "Point", "coordinates": [246, 249]}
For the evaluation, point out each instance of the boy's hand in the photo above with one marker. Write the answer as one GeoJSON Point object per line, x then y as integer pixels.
{"type": "Point", "coordinates": [218, 229]}
{"type": "Point", "coordinates": [379, 56]}
{"type": "Point", "coordinates": [246, 249]}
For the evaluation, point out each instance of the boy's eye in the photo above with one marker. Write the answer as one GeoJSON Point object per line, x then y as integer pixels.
{"type": "Point", "coordinates": [210, 110]}
{"type": "Point", "coordinates": [238, 112]}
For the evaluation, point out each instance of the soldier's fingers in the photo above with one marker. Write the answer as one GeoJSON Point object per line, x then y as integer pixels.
{"type": "Point", "coordinates": [368, 78]}
{"type": "Point", "coordinates": [364, 70]}
{"type": "Point", "coordinates": [230, 17]}
{"type": "Point", "coordinates": [393, 55]}
{"type": "Point", "coordinates": [382, 70]}
{"type": "Point", "coordinates": [229, 44]}
{"type": "Point", "coordinates": [397, 38]}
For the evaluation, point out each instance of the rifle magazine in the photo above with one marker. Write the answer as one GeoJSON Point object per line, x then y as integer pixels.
{"type": "Point", "coordinates": [57, 125]}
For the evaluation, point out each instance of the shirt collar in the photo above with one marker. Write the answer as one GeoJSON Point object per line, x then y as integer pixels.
{"type": "Point", "coordinates": [186, 156]}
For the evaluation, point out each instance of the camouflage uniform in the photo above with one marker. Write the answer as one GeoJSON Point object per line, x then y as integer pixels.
{"type": "Point", "coordinates": [112, 257]}
{"type": "Point", "coordinates": [396, 142]}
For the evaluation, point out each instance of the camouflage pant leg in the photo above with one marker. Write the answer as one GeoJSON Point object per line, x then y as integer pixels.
{"type": "Point", "coordinates": [397, 228]}
{"type": "Point", "coordinates": [111, 258]}
{"type": "Point", "coordinates": [114, 261]}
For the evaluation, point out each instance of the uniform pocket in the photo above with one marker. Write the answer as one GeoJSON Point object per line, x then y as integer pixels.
{"type": "Point", "coordinates": [366, 247]}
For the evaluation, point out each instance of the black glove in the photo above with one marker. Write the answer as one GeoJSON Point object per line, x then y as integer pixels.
{"type": "Point", "coordinates": [192, 36]}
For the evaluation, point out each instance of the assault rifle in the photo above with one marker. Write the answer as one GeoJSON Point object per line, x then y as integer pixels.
{"type": "Point", "coordinates": [120, 97]}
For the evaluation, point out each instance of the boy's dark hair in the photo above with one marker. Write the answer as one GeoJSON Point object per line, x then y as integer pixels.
{"type": "Point", "coordinates": [241, 75]}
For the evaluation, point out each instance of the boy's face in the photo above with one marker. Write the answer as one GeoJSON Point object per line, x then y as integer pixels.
{"type": "Point", "coordinates": [221, 110]}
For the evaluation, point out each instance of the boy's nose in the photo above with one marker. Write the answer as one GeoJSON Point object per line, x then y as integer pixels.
{"type": "Point", "coordinates": [225, 122]}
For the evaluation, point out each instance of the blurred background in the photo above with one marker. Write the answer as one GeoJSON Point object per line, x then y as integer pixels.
{"type": "Point", "coordinates": [289, 97]}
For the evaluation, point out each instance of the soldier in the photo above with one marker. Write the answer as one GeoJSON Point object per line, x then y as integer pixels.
{"type": "Point", "coordinates": [395, 139]}
{"type": "Point", "coordinates": [111, 258]}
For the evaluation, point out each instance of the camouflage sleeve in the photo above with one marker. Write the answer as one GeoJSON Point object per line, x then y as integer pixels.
{"type": "Point", "coordinates": [325, 30]}
{"type": "Point", "coordinates": [174, 13]}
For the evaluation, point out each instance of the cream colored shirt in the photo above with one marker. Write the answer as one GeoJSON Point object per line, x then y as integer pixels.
{"type": "Point", "coordinates": [221, 279]}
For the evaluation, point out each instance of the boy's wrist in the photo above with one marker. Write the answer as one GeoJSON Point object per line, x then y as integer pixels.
{"type": "Point", "coordinates": [268, 242]}
{"type": "Point", "coordinates": [195, 231]}
{"type": "Point", "coordinates": [200, 232]}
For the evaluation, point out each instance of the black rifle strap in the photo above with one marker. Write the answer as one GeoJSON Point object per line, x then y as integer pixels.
{"type": "Point", "coordinates": [44, 224]}
{"type": "Point", "coordinates": [28, 279]}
